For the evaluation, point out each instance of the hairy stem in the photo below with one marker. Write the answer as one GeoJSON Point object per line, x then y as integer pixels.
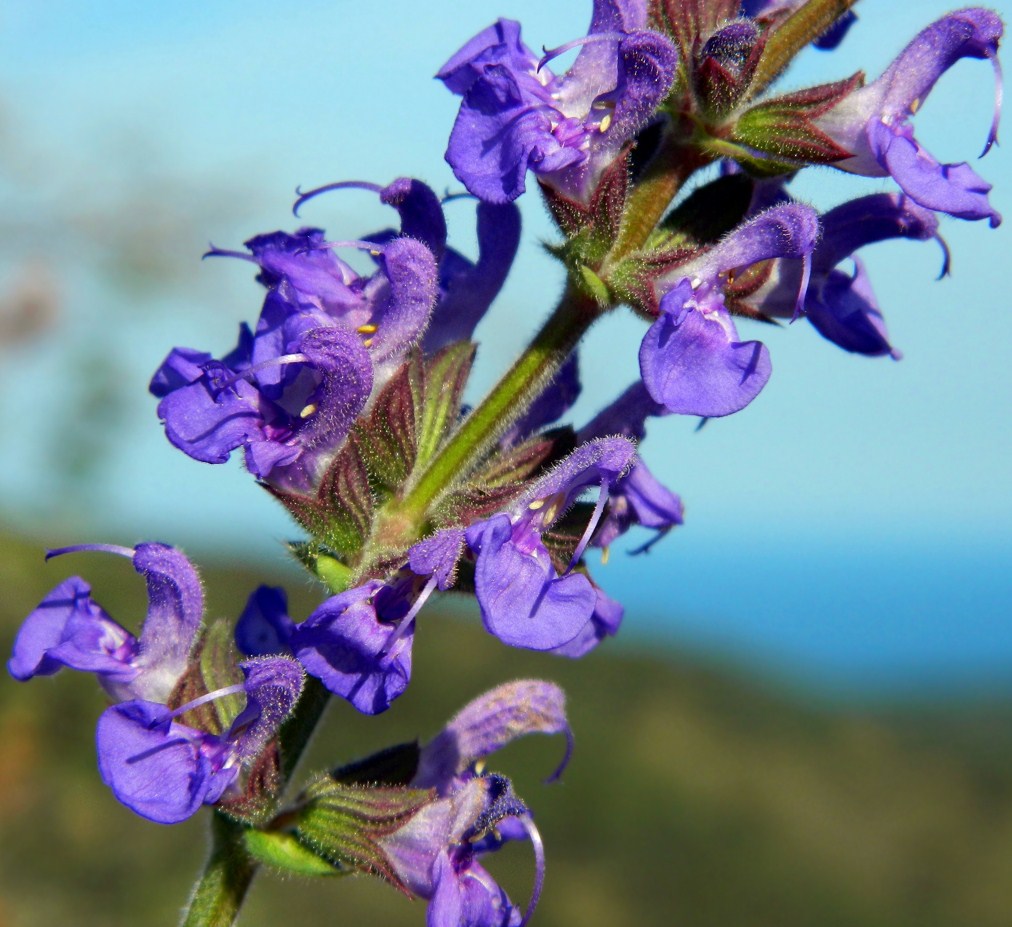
{"type": "Point", "coordinates": [670, 167]}
{"type": "Point", "coordinates": [507, 402]}
{"type": "Point", "coordinates": [219, 894]}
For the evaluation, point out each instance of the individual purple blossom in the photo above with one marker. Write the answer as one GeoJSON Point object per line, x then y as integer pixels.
{"type": "Point", "coordinates": [691, 358]}
{"type": "Point", "coordinates": [466, 288]}
{"type": "Point", "coordinates": [358, 644]}
{"type": "Point", "coordinates": [516, 115]}
{"type": "Point", "coordinates": [69, 629]}
{"type": "Point", "coordinates": [165, 770]}
{"type": "Point", "coordinates": [326, 337]}
{"type": "Point", "coordinates": [874, 122]}
{"type": "Point", "coordinates": [841, 305]}
{"type": "Point", "coordinates": [435, 854]}
{"type": "Point", "coordinates": [524, 600]}
{"type": "Point", "coordinates": [287, 429]}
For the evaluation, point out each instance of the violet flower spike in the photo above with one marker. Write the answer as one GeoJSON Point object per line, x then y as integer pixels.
{"type": "Point", "coordinates": [691, 359]}
{"type": "Point", "coordinates": [874, 122]}
{"type": "Point", "coordinates": [69, 629]}
{"type": "Point", "coordinates": [517, 116]}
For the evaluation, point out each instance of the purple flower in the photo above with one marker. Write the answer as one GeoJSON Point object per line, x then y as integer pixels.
{"type": "Point", "coordinates": [691, 359]}
{"type": "Point", "coordinates": [288, 428]}
{"type": "Point", "coordinates": [157, 766]}
{"type": "Point", "coordinates": [165, 770]}
{"type": "Point", "coordinates": [435, 853]}
{"type": "Point", "coordinates": [873, 122]}
{"type": "Point", "coordinates": [358, 643]}
{"type": "Point", "coordinates": [466, 288]}
{"type": "Point", "coordinates": [842, 305]}
{"type": "Point", "coordinates": [290, 391]}
{"type": "Point", "coordinates": [516, 115]}
{"type": "Point", "coordinates": [524, 600]}
{"type": "Point", "coordinates": [69, 629]}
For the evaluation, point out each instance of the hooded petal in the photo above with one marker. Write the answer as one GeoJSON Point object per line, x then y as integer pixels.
{"type": "Point", "coordinates": [467, 289]}
{"type": "Point", "coordinates": [273, 686]}
{"type": "Point", "coordinates": [175, 611]}
{"type": "Point", "coordinates": [489, 723]}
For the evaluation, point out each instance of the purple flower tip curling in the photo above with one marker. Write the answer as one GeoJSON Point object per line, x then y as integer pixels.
{"type": "Point", "coordinates": [489, 723]}
{"type": "Point", "coordinates": [874, 122]}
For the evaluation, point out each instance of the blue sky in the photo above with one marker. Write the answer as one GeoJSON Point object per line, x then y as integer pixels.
{"type": "Point", "coordinates": [132, 134]}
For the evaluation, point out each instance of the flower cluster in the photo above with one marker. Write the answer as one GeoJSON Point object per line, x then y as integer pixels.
{"type": "Point", "coordinates": [346, 398]}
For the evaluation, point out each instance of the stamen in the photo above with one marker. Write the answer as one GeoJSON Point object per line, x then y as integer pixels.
{"type": "Point", "coordinates": [605, 555]}
{"type": "Point", "coordinates": [249, 372]}
{"type": "Point", "coordinates": [550, 53]}
{"type": "Point", "coordinates": [806, 275]}
{"type": "Point", "coordinates": [209, 697]}
{"type": "Point", "coordinates": [591, 525]}
{"type": "Point", "coordinates": [222, 252]}
{"type": "Point", "coordinates": [105, 548]}
{"type": "Point", "coordinates": [326, 188]}
{"type": "Point", "coordinates": [372, 247]}
{"type": "Point", "coordinates": [946, 256]}
{"type": "Point", "coordinates": [539, 865]}
{"type": "Point", "coordinates": [308, 410]}
{"type": "Point", "coordinates": [367, 329]}
{"type": "Point", "coordinates": [992, 136]}
{"type": "Point", "coordinates": [405, 623]}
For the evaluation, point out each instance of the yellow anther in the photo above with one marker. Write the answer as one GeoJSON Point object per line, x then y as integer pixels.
{"type": "Point", "coordinates": [605, 555]}
{"type": "Point", "coordinates": [368, 329]}
{"type": "Point", "coordinates": [916, 105]}
{"type": "Point", "coordinates": [603, 125]}
{"type": "Point", "coordinates": [308, 410]}
{"type": "Point", "coordinates": [375, 253]}
{"type": "Point", "coordinates": [536, 504]}
{"type": "Point", "coordinates": [367, 343]}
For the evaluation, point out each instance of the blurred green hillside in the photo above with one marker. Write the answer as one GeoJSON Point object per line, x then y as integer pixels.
{"type": "Point", "coordinates": [695, 798]}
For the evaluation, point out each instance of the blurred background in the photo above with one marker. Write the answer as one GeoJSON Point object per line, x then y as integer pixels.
{"type": "Point", "coordinates": [821, 731]}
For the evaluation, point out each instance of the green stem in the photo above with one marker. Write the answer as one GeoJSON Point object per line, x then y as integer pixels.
{"type": "Point", "coordinates": [508, 400]}
{"type": "Point", "coordinates": [671, 166]}
{"type": "Point", "coordinates": [229, 871]}
{"type": "Point", "coordinates": [219, 894]}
